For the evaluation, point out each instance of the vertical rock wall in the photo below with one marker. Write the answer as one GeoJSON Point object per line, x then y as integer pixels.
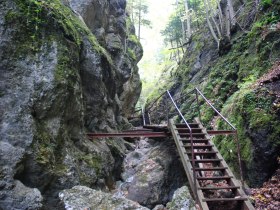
{"type": "Point", "coordinates": [64, 69]}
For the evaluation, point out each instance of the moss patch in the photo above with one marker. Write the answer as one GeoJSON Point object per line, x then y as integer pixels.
{"type": "Point", "coordinates": [36, 16]}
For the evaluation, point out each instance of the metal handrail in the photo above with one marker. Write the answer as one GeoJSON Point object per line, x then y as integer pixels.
{"type": "Point", "coordinates": [191, 136]}
{"type": "Point", "coordinates": [151, 105]}
{"type": "Point", "coordinates": [235, 131]}
{"type": "Point", "coordinates": [198, 92]}
{"type": "Point", "coordinates": [209, 103]}
{"type": "Point", "coordinates": [157, 99]}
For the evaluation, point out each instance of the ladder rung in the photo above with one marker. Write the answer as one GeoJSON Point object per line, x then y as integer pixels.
{"type": "Point", "coordinates": [203, 153]}
{"type": "Point", "coordinates": [225, 199]}
{"type": "Point", "coordinates": [194, 140]}
{"type": "Point", "coordinates": [199, 146]}
{"type": "Point", "coordinates": [214, 178]}
{"type": "Point", "coordinates": [207, 160]}
{"type": "Point", "coordinates": [183, 125]}
{"type": "Point", "coordinates": [193, 134]}
{"type": "Point", "coordinates": [186, 130]}
{"type": "Point", "coordinates": [219, 188]}
{"type": "Point", "coordinates": [211, 169]}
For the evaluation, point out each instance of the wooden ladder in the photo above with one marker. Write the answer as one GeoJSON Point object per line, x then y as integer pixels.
{"type": "Point", "coordinates": [215, 185]}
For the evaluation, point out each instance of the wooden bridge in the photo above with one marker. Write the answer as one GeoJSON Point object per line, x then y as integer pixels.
{"type": "Point", "coordinates": [213, 184]}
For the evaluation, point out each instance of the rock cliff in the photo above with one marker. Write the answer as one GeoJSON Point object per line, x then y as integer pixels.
{"type": "Point", "coordinates": [66, 67]}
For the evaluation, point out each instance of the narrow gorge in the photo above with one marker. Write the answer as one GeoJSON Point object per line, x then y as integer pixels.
{"type": "Point", "coordinates": [69, 68]}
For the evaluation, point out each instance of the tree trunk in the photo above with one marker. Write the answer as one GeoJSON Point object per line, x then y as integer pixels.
{"type": "Point", "coordinates": [178, 51]}
{"type": "Point", "coordinates": [182, 46]}
{"type": "Point", "coordinates": [231, 13]}
{"type": "Point", "coordinates": [183, 31]}
{"type": "Point", "coordinates": [139, 19]}
{"type": "Point", "coordinates": [188, 19]}
{"type": "Point", "coordinates": [210, 25]}
{"type": "Point", "coordinates": [228, 25]}
{"type": "Point", "coordinates": [220, 13]}
{"type": "Point", "coordinates": [213, 19]}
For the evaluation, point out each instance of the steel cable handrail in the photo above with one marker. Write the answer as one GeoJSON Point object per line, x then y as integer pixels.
{"type": "Point", "coordinates": [208, 102]}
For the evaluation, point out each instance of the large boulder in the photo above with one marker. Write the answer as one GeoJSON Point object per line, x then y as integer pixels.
{"type": "Point", "coordinates": [81, 197]}
{"type": "Point", "coordinates": [182, 200]}
{"type": "Point", "coordinates": [151, 174]}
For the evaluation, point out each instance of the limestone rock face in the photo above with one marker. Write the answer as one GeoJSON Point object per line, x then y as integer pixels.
{"type": "Point", "coordinates": [110, 24]}
{"type": "Point", "coordinates": [81, 197]}
{"type": "Point", "coordinates": [62, 74]}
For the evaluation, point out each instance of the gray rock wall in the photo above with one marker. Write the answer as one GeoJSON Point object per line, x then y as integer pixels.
{"type": "Point", "coordinates": [58, 81]}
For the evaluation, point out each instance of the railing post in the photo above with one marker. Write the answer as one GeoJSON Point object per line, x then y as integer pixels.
{"type": "Point", "coordinates": [149, 118]}
{"type": "Point", "coordinates": [239, 158]}
{"type": "Point", "coordinates": [166, 109]}
{"type": "Point", "coordinates": [143, 115]}
{"type": "Point", "coordinates": [198, 106]}
{"type": "Point", "coordinates": [157, 113]}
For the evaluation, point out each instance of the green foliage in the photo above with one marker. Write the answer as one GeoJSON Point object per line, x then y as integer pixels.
{"type": "Point", "coordinates": [45, 146]}
{"type": "Point", "coordinates": [266, 3]}
{"type": "Point", "coordinates": [131, 54]}
{"type": "Point", "coordinates": [138, 10]}
{"type": "Point", "coordinates": [94, 161]}
{"type": "Point", "coordinates": [250, 110]}
{"type": "Point", "coordinates": [173, 30]}
{"type": "Point", "coordinates": [38, 15]}
{"type": "Point", "coordinates": [133, 38]}
{"type": "Point", "coordinates": [268, 18]}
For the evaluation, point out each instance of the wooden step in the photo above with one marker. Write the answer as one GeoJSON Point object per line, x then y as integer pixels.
{"type": "Point", "coordinates": [193, 134]}
{"type": "Point", "coordinates": [186, 130]}
{"type": "Point", "coordinates": [215, 178]}
{"type": "Point", "coordinates": [203, 153]}
{"type": "Point", "coordinates": [199, 146]}
{"type": "Point", "coordinates": [207, 160]}
{"type": "Point", "coordinates": [205, 141]}
{"type": "Point", "coordinates": [224, 199]}
{"type": "Point", "coordinates": [211, 169]}
{"type": "Point", "coordinates": [219, 188]}
{"type": "Point", "coordinates": [183, 125]}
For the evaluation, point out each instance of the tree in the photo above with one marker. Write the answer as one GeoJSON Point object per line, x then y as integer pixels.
{"type": "Point", "coordinates": [224, 12]}
{"type": "Point", "coordinates": [138, 9]}
{"type": "Point", "coordinates": [188, 19]}
{"type": "Point", "coordinates": [173, 34]}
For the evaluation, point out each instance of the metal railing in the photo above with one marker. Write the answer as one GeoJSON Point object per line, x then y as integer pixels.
{"type": "Point", "coordinates": [154, 107]}
{"type": "Point", "coordinates": [235, 133]}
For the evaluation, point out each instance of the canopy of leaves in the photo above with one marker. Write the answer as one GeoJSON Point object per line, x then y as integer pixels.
{"type": "Point", "coordinates": [173, 30]}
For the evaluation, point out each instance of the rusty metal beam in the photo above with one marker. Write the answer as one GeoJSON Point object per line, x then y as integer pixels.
{"type": "Point", "coordinates": [221, 132]}
{"type": "Point", "coordinates": [129, 134]}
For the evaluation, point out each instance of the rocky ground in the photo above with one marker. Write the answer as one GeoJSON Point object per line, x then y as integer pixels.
{"type": "Point", "coordinates": [152, 178]}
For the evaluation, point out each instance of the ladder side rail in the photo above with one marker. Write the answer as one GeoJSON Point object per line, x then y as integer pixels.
{"type": "Point", "coordinates": [191, 137]}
